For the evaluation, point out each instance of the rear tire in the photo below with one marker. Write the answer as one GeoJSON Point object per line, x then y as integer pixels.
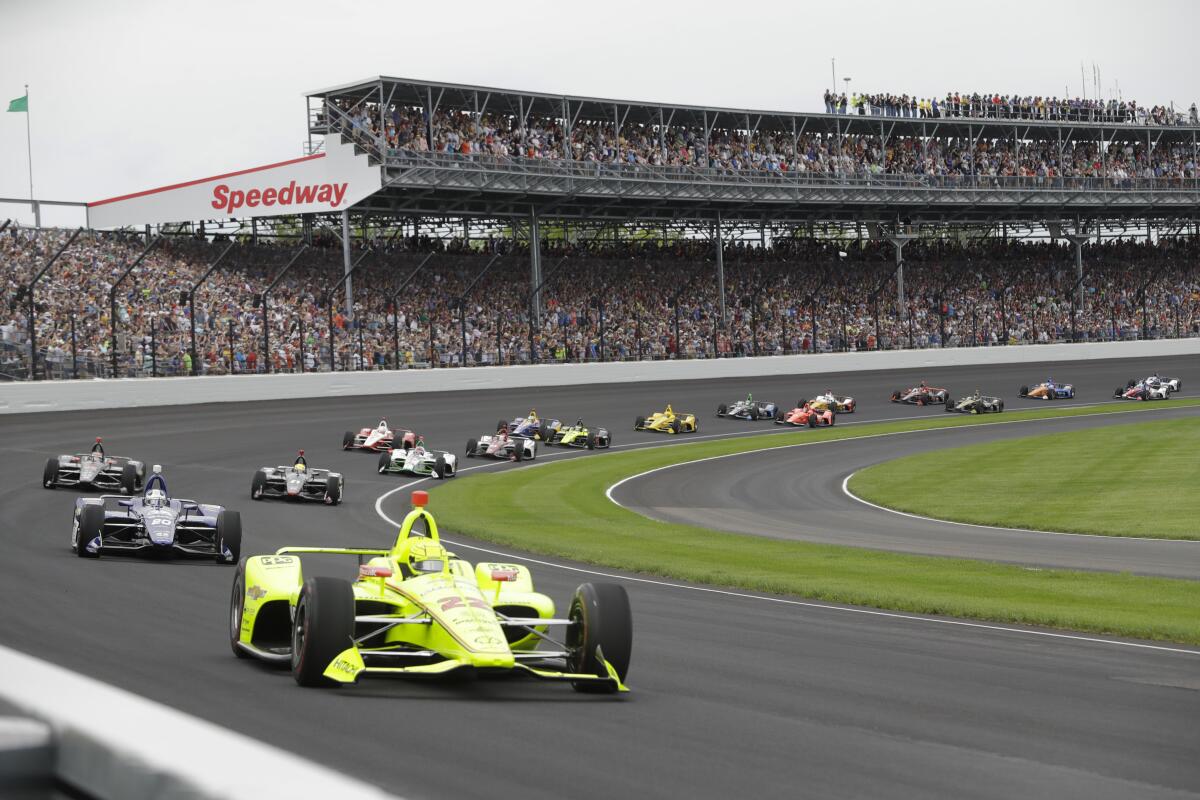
{"type": "Point", "coordinates": [602, 619]}
{"type": "Point", "coordinates": [347, 440]}
{"type": "Point", "coordinates": [258, 484]}
{"type": "Point", "coordinates": [237, 602]}
{"type": "Point", "coordinates": [228, 536]}
{"type": "Point", "coordinates": [322, 628]}
{"type": "Point", "coordinates": [91, 524]}
{"type": "Point", "coordinates": [333, 490]}
{"type": "Point", "coordinates": [129, 478]}
{"type": "Point", "coordinates": [50, 474]}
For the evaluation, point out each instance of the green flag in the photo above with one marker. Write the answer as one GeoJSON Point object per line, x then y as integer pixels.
{"type": "Point", "coordinates": [20, 104]}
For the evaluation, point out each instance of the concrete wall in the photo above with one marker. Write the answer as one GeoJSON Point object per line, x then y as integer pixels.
{"type": "Point", "coordinates": [18, 398]}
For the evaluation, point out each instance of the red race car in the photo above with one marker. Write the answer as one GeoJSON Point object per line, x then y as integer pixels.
{"type": "Point", "coordinates": [379, 439]}
{"type": "Point", "coordinates": [807, 415]}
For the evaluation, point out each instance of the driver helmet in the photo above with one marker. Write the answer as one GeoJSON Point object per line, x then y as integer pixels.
{"type": "Point", "coordinates": [502, 431]}
{"type": "Point", "coordinates": [669, 412]}
{"type": "Point", "coordinates": [301, 464]}
{"type": "Point", "coordinates": [579, 422]}
{"type": "Point", "coordinates": [749, 397]}
{"type": "Point", "coordinates": [419, 447]}
{"type": "Point", "coordinates": [156, 498]}
{"type": "Point", "coordinates": [98, 448]}
{"type": "Point", "coordinates": [924, 385]}
{"type": "Point", "coordinates": [533, 415]}
{"type": "Point", "coordinates": [382, 425]}
{"type": "Point", "coordinates": [425, 557]}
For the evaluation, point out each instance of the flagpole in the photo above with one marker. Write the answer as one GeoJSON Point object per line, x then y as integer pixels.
{"type": "Point", "coordinates": [37, 212]}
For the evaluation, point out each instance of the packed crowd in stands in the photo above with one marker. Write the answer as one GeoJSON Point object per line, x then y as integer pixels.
{"type": "Point", "coordinates": [1014, 107]}
{"type": "Point", "coordinates": [1050, 162]}
{"type": "Point", "coordinates": [796, 296]}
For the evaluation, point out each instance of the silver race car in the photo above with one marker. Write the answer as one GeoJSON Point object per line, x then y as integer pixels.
{"type": "Point", "coordinates": [974, 404]}
{"type": "Point", "coordinates": [749, 409]}
{"type": "Point", "coordinates": [95, 470]}
{"type": "Point", "coordinates": [298, 482]}
{"type": "Point", "coordinates": [419, 461]}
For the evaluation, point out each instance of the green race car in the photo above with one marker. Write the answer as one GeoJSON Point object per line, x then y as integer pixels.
{"type": "Point", "coordinates": [415, 609]}
{"type": "Point", "coordinates": [579, 435]}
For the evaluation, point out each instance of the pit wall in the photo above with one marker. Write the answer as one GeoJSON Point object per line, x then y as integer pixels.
{"type": "Point", "coordinates": [44, 396]}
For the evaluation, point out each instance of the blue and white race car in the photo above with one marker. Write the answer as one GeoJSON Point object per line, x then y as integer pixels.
{"type": "Point", "coordinates": [1050, 390]}
{"type": "Point", "coordinates": [531, 426]}
{"type": "Point", "coordinates": [154, 523]}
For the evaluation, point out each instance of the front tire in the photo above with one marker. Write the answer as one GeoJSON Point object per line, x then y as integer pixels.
{"type": "Point", "coordinates": [333, 490]}
{"type": "Point", "coordinates": [228, 537]}
{"type": "Point", "coordinates": [601, 620]}
{"type": "Point", "coordinates": [322, 628]}
{"type": "Point", "coordinates": [258, 484]}
{"type": "Point", "coordinates": [721, 409]}
{"type": "Point", "coordinates": [385, 460]}
{"type": "Point", "coordinates": [472, 446]}
{"type": "Point", "coordinates": [91, 524]}
{"type": "Point", "coordinates": [639, 423]}
{"type": "Point", "coordinates": [237, 601]}
{"type": "Point", "coordinates": [50, 474]}
{"type": "Point", "coordinates": [347, 440]}
{"type": "Point", "coordinates": [439, 468]}
{"type": "Point", "coordinates": [129, 478]}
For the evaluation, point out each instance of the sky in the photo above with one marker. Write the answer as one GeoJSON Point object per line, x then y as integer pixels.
{"type": "Point", "coordinates": [131, 94]}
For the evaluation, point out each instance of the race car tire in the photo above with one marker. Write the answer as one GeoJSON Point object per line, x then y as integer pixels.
{"type": "Point", "coordinates": [333, 490]}
{"type": "Point", "coordinates": [1118, 392]}
{"type": "Point", "coordinates": [518, 449]}
{"type": "Point", "coordinates": [602, 619]}
{"type": "Point", "coordinates": [754, 412]}
{"type": "Point", "coordinates": [895, 397]}
{"type": "Point", "coordinates": [50, 474]}
{"type": "Point", "coordinates": [812, 420]}
{"type": "Point", "coordinates": [347, 440]}
{"type": "Point", "coordinates": [322, 628]}
{"type": "Point", "coordinates": [439, 468]}
{"type": "Point", "coordinates": [675, 426]}
{"type": "Point", "coordinates": [129, 478]}
{"type": "Point", "coordinates": [228, 536]}
{"type": "Point", "coordinates": [591, 441]}
{"type": "Point", "coordinates": [1023, 391]}
{"type": "Point", "coordinates": [832, 416]}
{"type": "Point", "coordinates": [1000, 407]}
{"type": "Point", "coordinates": [639, 423]}
{"type": "Point", "coordinates": [385, 459]}
{"type": "Point", "coordinates": [258, 484]}
{"type": "Point", "coordinates": [949, 404]}
{"type": "Point", "coordinates": [721, 409]}
{"type": "Point", "coordinates": [91, 523]}
{"type": "Point", "coordinates": [472, 446]}
{"type": "Point", "coordinates": [237, 601]}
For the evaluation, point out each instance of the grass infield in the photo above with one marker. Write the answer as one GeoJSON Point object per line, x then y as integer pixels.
{"type": "Point", "coordinates": [560, 509]}
{"type": "Point", "coordinates": [1127, 480]}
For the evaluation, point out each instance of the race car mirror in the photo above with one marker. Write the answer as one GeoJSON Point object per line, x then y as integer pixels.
{"type": "Point", "coordinates": [368, 571]}
{"type": "Point", "coordinates": [505, 575]}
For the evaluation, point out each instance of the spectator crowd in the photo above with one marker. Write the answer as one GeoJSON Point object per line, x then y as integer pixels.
{"type": "Point", "coordinates": [619, 300]}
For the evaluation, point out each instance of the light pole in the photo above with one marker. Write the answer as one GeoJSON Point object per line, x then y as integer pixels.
{"type": "Point", "coordinates": [849, 105]}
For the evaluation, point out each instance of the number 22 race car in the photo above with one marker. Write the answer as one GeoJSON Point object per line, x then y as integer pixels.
{"type": "Point", "coordinates": [416, 609]}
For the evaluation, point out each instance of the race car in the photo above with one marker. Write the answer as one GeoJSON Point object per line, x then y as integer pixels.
{"type": "Point", "coordinates": [922, 395]}
{"type": "Point", "coordinates": [94, 470]}
{"type": "Point", "coordinates": [842, 405]}
{"type": "Point", "coordinates": [1143, 391]}
{"type": "Point", "coordinates": [667, 422]}
{"type": "Point", "coordinates": [154, 523]}
{"type": "Point", "coordinates": [1171, 384]}
{"type": "Point", "coordinates": [975, 404]}
{"type": "Point", "coordinates": [1050, 390]}
{"type": "Point", "coordinates": [378, 439]}
{"type": "Point", "coordinates": [808, 414]}
{"type": "Point", "coordinates": [503, 445]}
{"type": "Point", "coordinates": [531, 426]}
{"type": "Point", "coordinates": [579, 435]}
{"type": "Point", "coordinates": [416, 609]}
{"type": "Point", "coordinates": [419, 461]}
{"type": "Point", "coordinates": [299, 481]}
{"type": "Point", "coordinates": [749, 409]}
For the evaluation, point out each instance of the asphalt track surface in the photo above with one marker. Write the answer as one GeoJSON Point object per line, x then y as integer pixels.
{"type": "Point", "coordinates": [733, 694]}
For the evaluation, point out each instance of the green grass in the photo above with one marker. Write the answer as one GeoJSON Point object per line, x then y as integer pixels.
{"type": "Point", "coordinates": [559, 508]}
{"type": "Point", "coordinates": [1126, 480]}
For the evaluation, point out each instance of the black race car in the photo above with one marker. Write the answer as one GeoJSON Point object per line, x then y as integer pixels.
{"type": "Point", "coordinates": [975, 404]}
{"type": "Point", "coordinates": [749, 409]}
{"type": "Point", "coordinates": [299, 481]}
{"type": "Point", "coordinates": [94, 470]}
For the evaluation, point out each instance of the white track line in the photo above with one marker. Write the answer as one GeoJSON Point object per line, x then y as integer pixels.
{"type": "Point", "coordinates": [846, 491]}
{"type": "Point", "coordinates": [782, 600]}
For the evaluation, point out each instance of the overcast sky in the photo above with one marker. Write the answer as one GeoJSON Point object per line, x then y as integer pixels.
{"type": "Point", "coordinates": [132, 94]}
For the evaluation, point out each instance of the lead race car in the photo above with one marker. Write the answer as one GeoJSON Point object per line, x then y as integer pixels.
{"type": "Point", "coordinates": [749, 409]}
{"type": "Point", "coordinates": [416, 609]}
{"type": "Point", "coordinates": [299, 482]}
{"type": "Point", "coordinates": [839, 403]}
{"type": "Point", "coordinates": [975, 404]}
{"type": "Point", "coordinates": [419, 461]}
{"type": "Point", "coordinates": [94, 470]}
{"type": "Point", "coordinates": [531, 426]}
{"type": "Point", "coordinates": [503, 445]}
{"type": "Point", "coordinates": [667, 421]}
{"type": "Point", "coordinates": [1143, 390]}
{"type": "Point", "coordinates": [379, 438]}
{"type": "Point", "coordinates": [1050, 390]}
{"type": "Point", "coordinates": [579, 435]}
{"type": "Point", "coordinates": [155, 524]}
{"type": "Point", "coordinates": [921, 395]}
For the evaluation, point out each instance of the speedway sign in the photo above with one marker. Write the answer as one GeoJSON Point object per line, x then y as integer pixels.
{"type": "Point", "coordinates": [330, 181]}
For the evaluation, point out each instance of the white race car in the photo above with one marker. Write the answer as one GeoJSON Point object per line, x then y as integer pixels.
{"type": "Point", "coordinates": [378, 439]}
{"type": "Point", "coordinates": [419, 461]}
{"type": "Point", "coordinates": [502, 445]}
{"type": "Point", "coordinates": [1154, 381]}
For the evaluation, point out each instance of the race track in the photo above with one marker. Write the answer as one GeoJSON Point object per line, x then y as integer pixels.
{"type": "Point", "coordinates": [733, 695]}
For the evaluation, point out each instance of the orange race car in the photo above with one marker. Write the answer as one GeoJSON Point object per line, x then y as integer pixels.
{"type": "Point", "coordinates": [806, 414]}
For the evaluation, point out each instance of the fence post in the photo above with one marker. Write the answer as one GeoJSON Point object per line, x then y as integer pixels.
{"type": "Point", "coordinates": [75, 352]}
{"type": "Point", "coordinates": [153, 348]}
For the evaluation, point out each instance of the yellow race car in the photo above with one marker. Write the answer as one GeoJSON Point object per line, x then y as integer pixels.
{"type": "Point", "coordinates": [667, 422]}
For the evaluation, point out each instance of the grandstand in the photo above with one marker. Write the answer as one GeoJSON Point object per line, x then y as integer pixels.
{"type": "Point", "coordinates": [440, 225]}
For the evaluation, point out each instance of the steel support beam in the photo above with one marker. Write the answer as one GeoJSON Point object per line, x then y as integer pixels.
{"type": "Point", "coordinates": [719, 241]}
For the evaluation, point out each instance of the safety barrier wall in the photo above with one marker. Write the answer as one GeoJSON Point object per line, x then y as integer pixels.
{"type": "Point", "coordinates": [45, 396]}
